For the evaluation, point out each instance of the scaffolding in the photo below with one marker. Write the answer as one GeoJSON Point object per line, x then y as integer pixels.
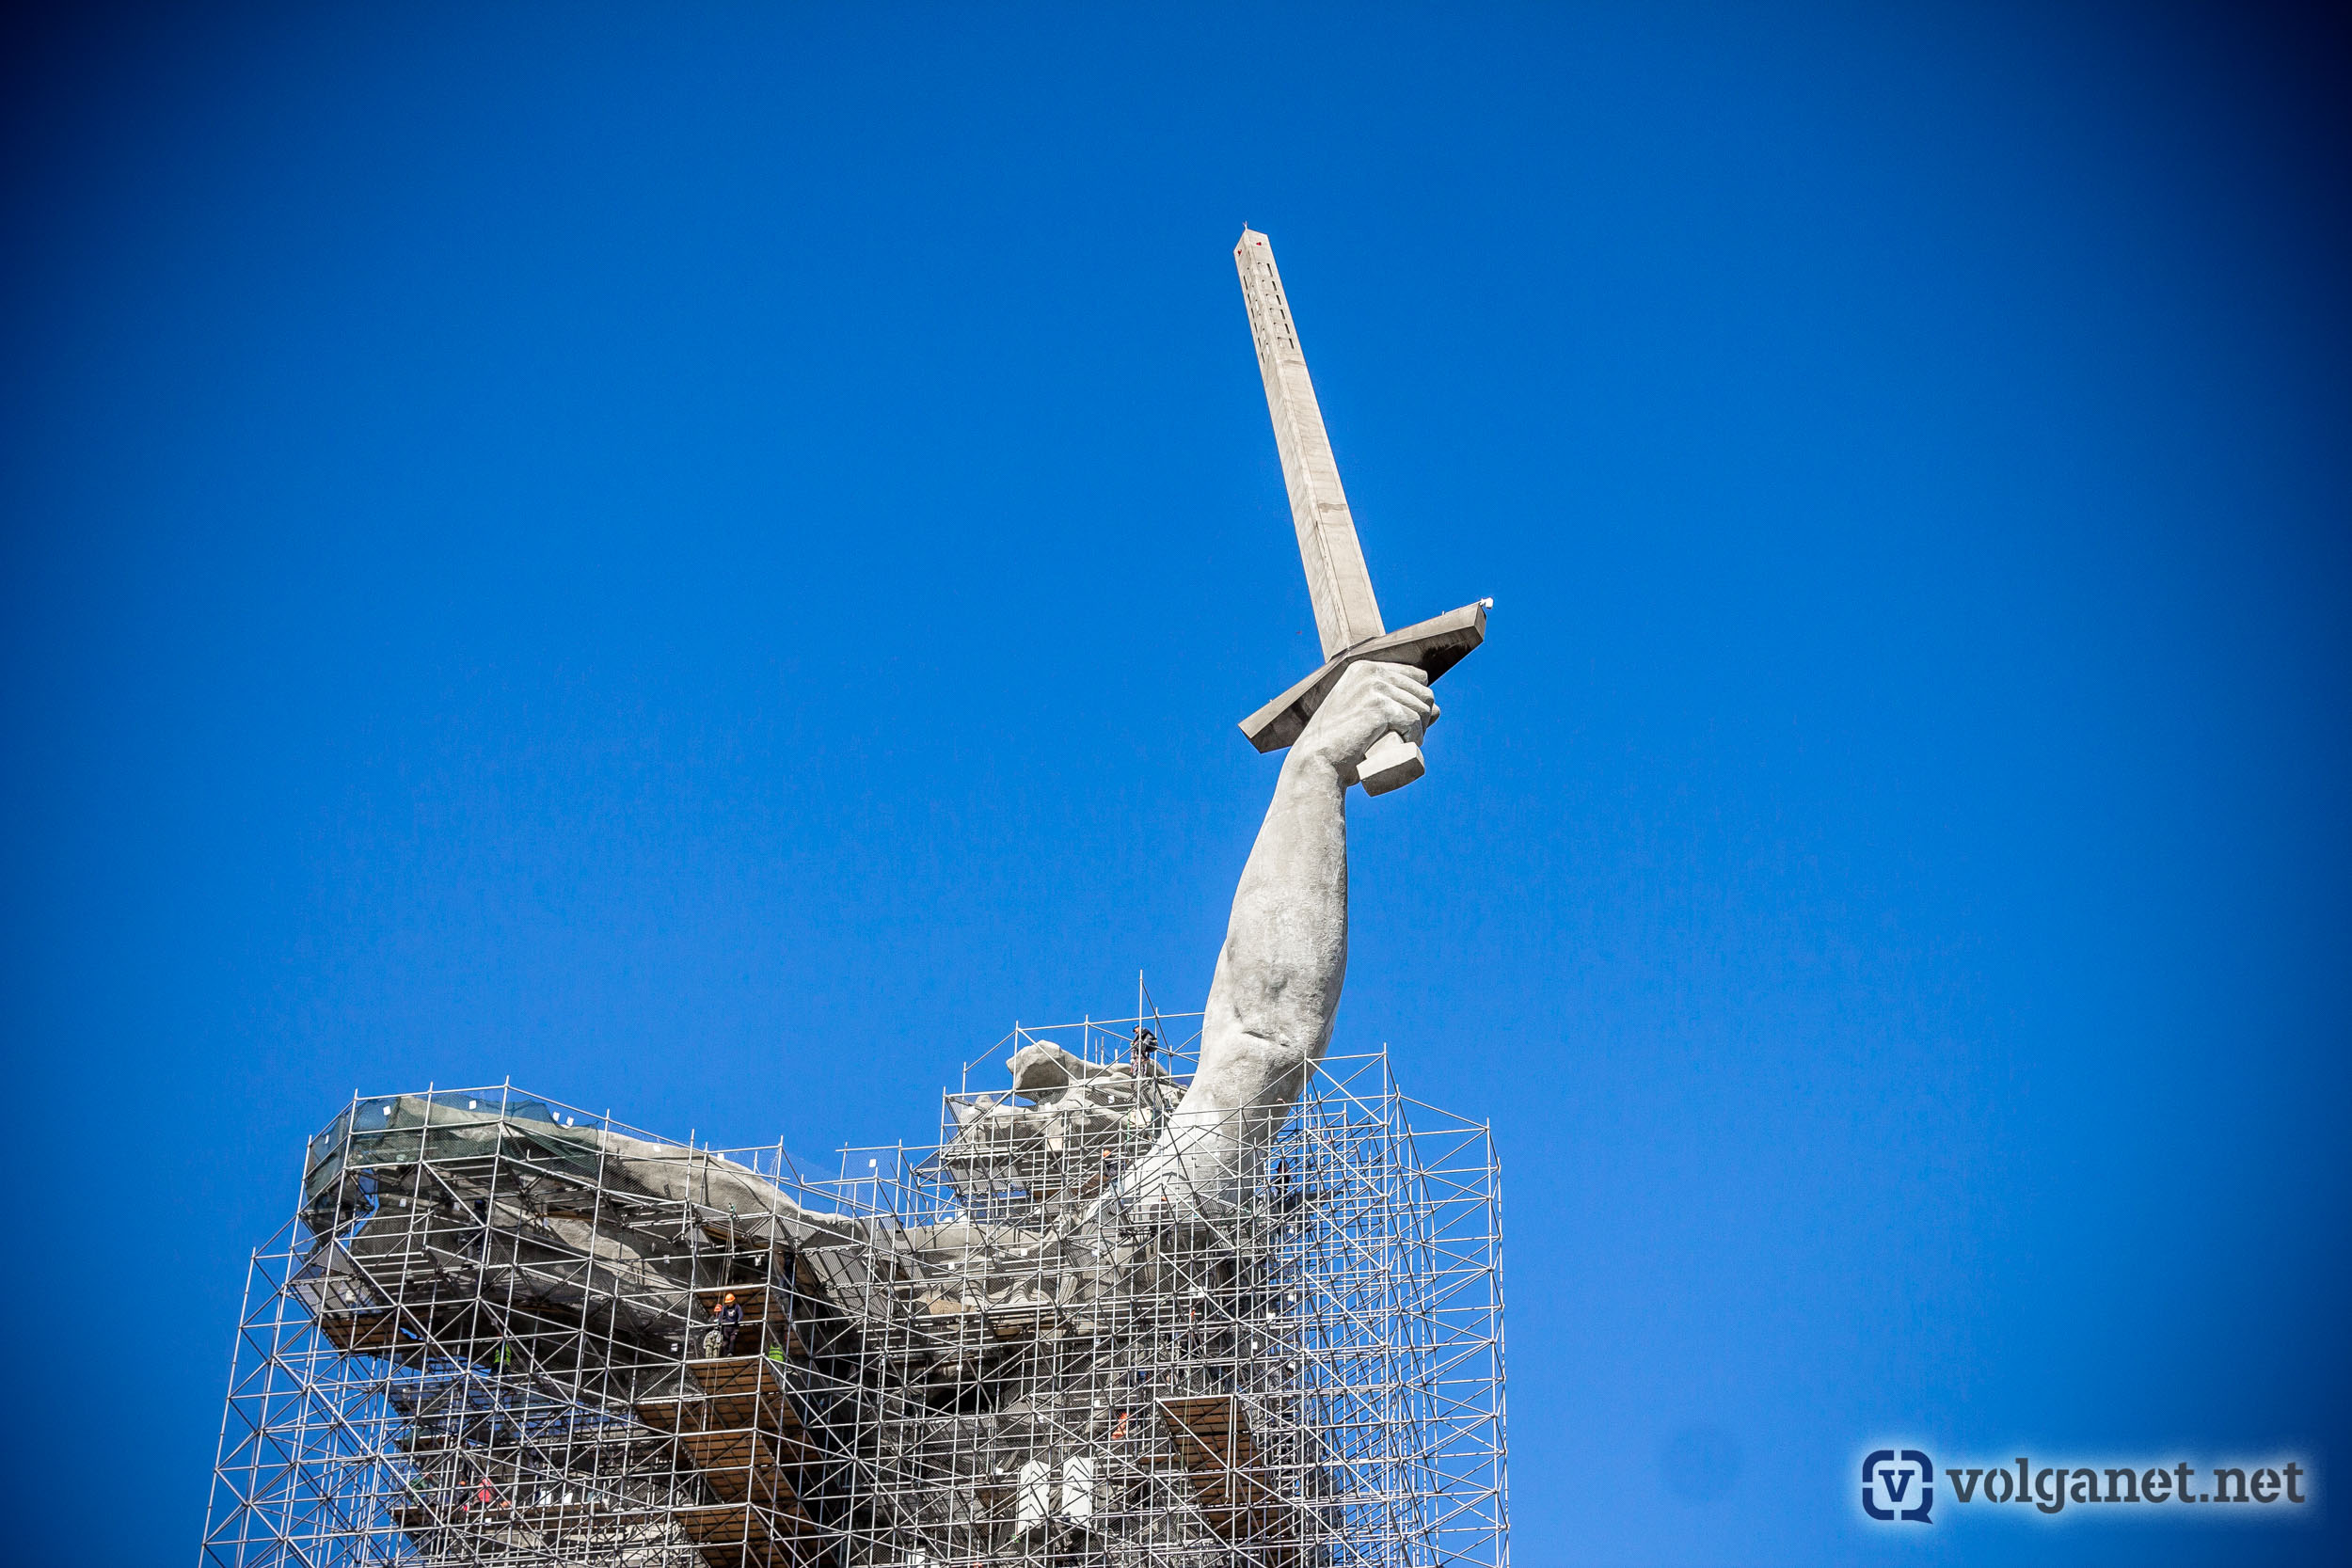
{"type": "Point", "coordinates": [498, 1330]}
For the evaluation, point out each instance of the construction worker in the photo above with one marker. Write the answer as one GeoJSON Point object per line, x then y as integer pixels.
{"type": "Point", "coordinates": [1141, 1049]}
{"type": "Point", "coordinates": [727, 1318]}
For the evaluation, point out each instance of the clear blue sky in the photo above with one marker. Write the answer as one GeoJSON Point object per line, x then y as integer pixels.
{"type": "Point", "coordinates": [707, 558]}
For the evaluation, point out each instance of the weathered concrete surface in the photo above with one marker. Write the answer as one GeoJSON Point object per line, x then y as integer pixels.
{"type": "Point", "coordinates": [1432, 646]}
{"type": "Point", "coordinates": [1347, 614]}
{"type": "Point", "coordinates": [1336, 579]}
{"type": "Point", "coordinates": [1285, 955]}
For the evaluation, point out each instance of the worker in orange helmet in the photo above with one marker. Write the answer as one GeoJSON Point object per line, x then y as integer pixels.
{"type": "Point", "coordinates": [727, 1320]}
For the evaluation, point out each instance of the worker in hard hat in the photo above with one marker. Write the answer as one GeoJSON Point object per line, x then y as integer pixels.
{"type": "Point", "coordinates": [727, 1320]}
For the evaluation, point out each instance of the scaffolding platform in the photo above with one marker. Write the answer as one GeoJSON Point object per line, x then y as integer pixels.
{"type": "Point", "coordinates": [482, 1338]}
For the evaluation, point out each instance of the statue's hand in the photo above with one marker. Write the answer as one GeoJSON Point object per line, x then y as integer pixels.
{"type": "Point", "coordinates": [1371, 700]}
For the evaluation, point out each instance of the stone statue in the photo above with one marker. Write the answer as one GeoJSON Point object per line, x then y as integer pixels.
{"type": "Point", "coordinates": [1089, 1326]}
{"type": "Point", "coordinates": [1358, 720]}
{"type": "Point", "coordinates": [1285, 954]}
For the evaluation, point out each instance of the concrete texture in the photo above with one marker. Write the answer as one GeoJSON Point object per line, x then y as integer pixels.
{"type": "Point", "coordinates": [1347, 615]}
{"type": "Point", "coordinates": [1285, 955]}
{"type": "Point", "coordinates": [1337, 578]}
{"type": "Point", "coordinates": [1432, 646]}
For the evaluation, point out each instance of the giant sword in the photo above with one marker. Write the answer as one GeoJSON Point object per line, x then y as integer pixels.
{"type": "Point", "coordinates": [1346, 615]}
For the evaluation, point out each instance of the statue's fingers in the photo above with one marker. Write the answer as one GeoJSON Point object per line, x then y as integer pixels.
{"type": "Point", "coordinates": [1413, 691]}
{"type": "Point", "coordinates": [1403, 675]}
{"type": "Point", "coordinates": [1417, 684]}
{"type": "Point", "coordinates": [1406, 718]}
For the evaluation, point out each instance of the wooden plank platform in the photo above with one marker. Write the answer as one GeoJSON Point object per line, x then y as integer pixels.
{"type": "Point", "coordinates": [362, 1330]}
{"type": "Point", "coordinates": [735, 1536]}
{"type": "Point", "coordinates": [746, 1439]}
{"type": "Point", "coordinates": [1214, 1443]}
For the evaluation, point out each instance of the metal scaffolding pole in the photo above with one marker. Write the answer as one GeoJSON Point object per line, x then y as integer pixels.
{"type": "Point", "coordinates": [499, 1330]}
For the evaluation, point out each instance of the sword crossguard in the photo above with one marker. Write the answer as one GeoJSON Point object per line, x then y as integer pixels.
{"type": "Point", "coordinates": [1347, 614]}
{"type": "Point", "coordinates": [1433, 647]}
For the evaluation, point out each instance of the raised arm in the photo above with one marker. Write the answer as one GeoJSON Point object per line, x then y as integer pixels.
{"type": "Point", "coordinates": [1285, 954]}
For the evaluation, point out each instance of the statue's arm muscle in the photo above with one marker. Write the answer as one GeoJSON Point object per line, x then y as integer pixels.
{"type": "Point", "coordinates": [1285, 955]}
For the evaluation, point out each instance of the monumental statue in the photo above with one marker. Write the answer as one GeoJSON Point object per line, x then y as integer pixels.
{"type": "Point", "coordinates": [1114, 1317]}
{"type": "Point", "coordinates": [1360, 719]}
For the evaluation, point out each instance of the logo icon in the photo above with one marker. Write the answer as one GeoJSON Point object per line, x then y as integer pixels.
{"type": "Point", "coordinates": [1900, 1480]}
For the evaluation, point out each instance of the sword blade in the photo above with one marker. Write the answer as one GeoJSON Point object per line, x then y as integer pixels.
{"type": "Point", "coordinates": [1336, 579]}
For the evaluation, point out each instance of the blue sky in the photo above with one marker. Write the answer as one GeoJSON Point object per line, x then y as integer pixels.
{"type": "Point", "coordinates": [708, 560]}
